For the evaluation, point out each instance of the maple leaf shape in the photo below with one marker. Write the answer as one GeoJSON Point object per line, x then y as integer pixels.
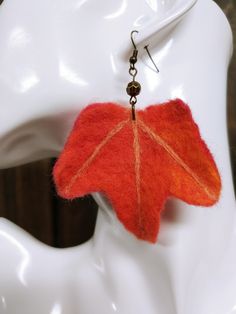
{"type": "Point", "coordinates": [138, 164]}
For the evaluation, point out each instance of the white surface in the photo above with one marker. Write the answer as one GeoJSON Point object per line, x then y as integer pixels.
{"type": "Point", "coordinates": [56, 57]}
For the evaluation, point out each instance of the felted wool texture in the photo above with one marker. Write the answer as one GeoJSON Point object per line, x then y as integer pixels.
{"type": "Point", "coordinates": [138, 164]}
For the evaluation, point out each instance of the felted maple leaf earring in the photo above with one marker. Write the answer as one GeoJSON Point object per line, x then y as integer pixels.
{"type": "Point", "coordinates": [138, 159]}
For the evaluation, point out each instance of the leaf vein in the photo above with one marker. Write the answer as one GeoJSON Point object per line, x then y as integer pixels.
{"type": "Point", "coordinates": [136, 146]}
{"type": "Point", "coordinates": [96, 151]}
{"type": "Point", "coordinates": [176, 157]}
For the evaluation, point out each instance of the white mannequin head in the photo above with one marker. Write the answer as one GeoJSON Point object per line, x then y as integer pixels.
{"type": "Point", "coordinates": [56, 57]}
{"type": "Point", "coordinates": [44, 79]}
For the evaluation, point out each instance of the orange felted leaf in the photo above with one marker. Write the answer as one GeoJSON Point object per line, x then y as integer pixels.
{"type": "Point", "coordinates": [138, 164]}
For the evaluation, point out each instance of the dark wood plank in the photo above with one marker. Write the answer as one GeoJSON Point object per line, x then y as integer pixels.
{"type": "Point", "coordinates": [74, 221]}
{"type": "Point", "coordinates": [25, 199]}
{"type": "Point", "coordinates": [229, 8]}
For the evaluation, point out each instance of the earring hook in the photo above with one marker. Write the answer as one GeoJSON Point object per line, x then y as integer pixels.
{"type": "Point", "coordinates": [133, 88]}
{"type": "Point", "coordinates": [132, 39]}
{"type": "Point", "coordinates": [146, 48]}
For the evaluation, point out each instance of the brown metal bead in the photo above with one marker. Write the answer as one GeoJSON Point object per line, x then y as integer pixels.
{"type": "Point", "coordinates": [133, 88]}
{"type": "Point", "coordinates": [132, 60]}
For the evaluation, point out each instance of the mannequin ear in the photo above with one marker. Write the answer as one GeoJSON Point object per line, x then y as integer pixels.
{"type": "Point", "coordinates": [159, 22]}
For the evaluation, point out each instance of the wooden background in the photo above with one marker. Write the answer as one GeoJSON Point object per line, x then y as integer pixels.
{"type": "Point", "coordinates": [27, 196]}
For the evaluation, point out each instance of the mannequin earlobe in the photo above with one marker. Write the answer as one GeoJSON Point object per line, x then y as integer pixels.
{"type": "Point", "coordinates": [160, 22]}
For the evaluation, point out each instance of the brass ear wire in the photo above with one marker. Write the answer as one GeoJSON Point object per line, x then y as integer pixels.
{"type": "Point", "coordinates": [133, 88]}
{"type": "Point", "coordinates": [132, 39]}
{"type": "Point", "coordinates": [146, 48]}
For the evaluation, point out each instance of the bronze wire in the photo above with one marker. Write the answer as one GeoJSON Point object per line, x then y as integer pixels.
{"type": "Point", "coordinates": [133, 88]}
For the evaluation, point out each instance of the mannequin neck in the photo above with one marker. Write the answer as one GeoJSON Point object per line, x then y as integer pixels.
{"type": "Point", "coordinates": [110, 231]}
{"type": "Point", "coordinates": [188, 229]}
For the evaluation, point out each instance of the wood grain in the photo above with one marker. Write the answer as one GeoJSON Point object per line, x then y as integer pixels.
{"type": "Point", "coordinates": [25, 199]}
